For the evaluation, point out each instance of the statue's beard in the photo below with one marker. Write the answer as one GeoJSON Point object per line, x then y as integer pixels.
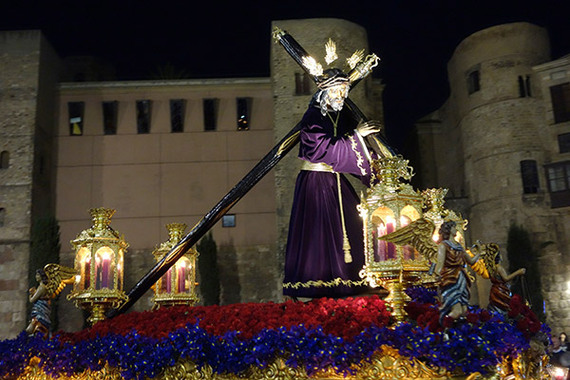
{"type": "Point", "coordinates": [328, 103]}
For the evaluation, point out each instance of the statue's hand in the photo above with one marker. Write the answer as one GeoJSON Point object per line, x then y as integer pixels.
{"type": "Point", "coordinates": [369, 127]}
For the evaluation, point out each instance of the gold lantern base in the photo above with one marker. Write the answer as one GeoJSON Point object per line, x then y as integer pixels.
{"type": "Point", "coordinates": [397, 298]}
{"type": "Point", "coordinates": [98, 305]}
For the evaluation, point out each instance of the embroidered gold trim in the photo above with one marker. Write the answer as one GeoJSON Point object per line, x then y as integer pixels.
{"type": "Point", "coordinates": [359, 159]}
{"type": "Point", "coordinates": [320, 283]}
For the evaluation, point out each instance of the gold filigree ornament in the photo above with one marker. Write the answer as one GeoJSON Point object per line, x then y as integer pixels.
{"type": "Point", "coordinates": [385, 364]}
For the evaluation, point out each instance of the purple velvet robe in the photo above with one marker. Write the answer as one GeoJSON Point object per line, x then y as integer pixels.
{"type": "Point", "coordinates": [314, 258]}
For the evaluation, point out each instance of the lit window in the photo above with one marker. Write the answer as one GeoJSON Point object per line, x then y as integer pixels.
{"type": "Point", "coordinates": [76, 110]}
{"type": "Point", "coordinates": [143, 116]}
{"type": "Point", "coordinates": [560, 96]}
{"type": "Point", "coordinates": [229, 220]}
{"type": "Point", "coordinates": [177, 111]}
{"type": "Point", "coordinates": [110, 117]}
{"type": "Point", "coordinates": [473, 82]}
{"type": "Point", "coordinates": [210, 114]}
{"type": "Point", "coordinates": [243, 113]}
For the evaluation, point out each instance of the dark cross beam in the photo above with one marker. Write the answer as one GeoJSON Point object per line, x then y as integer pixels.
{"type": "Point", "coordinates": [220, 209]}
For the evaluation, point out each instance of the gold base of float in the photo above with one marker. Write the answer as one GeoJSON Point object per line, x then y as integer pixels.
{"type": "Point", "coordinates": [387, 364]}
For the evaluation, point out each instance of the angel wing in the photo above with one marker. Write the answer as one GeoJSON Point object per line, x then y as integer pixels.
{"type": "Point", "coordinates": [58, 277]}
{"type": "Point", "coordinates": [418, 234]}
{"type": "Point", "coordinates": [486, 265]}
{"type": "Point", "coordinates": [479, 267]}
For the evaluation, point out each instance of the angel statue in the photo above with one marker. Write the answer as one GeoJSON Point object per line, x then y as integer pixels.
{"type": "Point", "coordinates": [51, 281]}
{"type": "Point", "coordinates": [451, 260]}
{"type": "Point", "coordinates": [490, 267]}
{"type": "Point", "coordinates": [455, 281]}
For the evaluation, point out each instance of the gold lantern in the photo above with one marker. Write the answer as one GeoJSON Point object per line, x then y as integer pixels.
{"type": "Point", "coordinates": [391, 204]}
{"type": "Point", "coordinates": [178, 285]}
{"type": "Point", "coordinates": [99, 256]}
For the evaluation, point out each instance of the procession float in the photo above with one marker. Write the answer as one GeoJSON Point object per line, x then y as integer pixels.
{"type": "Point", "coordinates": [401, 329]}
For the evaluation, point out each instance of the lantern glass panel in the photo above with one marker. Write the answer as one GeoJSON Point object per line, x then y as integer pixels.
{"type": "Point", "coordinates": [383, 223]}
{"type": "Point", "coordinates": [166, 282]}
{"type": "Point", "coordinates": [83, 260]}
{"type": "Point", "coordinates": [183, 270]}
{"type": "Point", "coordinates": [120, 269]}
{"type": "Point", "coordinates": [103, 268]}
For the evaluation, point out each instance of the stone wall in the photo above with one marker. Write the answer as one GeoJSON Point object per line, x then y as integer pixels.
{"type": "Point", "coordinates": [19, 65]}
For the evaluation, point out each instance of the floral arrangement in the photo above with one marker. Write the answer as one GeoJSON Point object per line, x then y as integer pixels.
{"type": "Point", "coordinates": [317, 335]}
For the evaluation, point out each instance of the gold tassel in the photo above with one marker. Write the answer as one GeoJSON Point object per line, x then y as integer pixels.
{"type": "Point", "coordinates": [345, 243]}
{"type": "Point", "coordinates": [346, 248]}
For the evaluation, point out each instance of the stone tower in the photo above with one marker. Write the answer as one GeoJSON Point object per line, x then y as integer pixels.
{"type": "Point", "coordinates": [28, 76]}
{"type": "Point", "coordinates": [488, 144]}
{"type": "Point", "coordinates": [290, 101]}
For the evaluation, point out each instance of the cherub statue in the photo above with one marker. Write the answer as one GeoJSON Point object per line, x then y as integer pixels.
{"type": "Point", "coordinates": [490, 267]}
{"type": "Point", "coordinates": [51, 281]}
{"type": "Point", "coordinates": [450, 258]}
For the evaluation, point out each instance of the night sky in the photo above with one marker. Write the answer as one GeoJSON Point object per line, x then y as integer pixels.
{"type": "Point", "coordinates": [414, 39]}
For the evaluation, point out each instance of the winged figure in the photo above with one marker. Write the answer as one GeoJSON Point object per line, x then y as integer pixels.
{"type": "Point", "coordinates": [418, 234]}
{"type": "Point", "coordinates": [52, 279]}
{"type": "Point", "coordinates": [490, 267]}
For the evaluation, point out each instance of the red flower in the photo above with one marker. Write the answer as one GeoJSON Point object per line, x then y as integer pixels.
{"type": "Point", "coordinates": [472, 318]}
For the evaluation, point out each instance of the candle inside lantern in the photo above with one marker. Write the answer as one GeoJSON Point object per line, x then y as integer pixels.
{"type": "Point", "coordinates": [103, 268]}
{"type": "Point", "coordinates": [105, 272]}
{"type": "Point", "coordinates": [181, 269]}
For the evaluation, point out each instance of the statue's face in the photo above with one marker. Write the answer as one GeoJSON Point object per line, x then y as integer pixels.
{"type": "Point", "coordinates": [336, 95]}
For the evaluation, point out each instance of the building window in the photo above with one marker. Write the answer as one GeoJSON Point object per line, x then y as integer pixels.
{"type": "Point", "coordinates": [473, 82]}
{"type": "Point", "coordinates": [243, 113]}
{"type": "Point", "coordinates": [564, 143]}
{"type": "Point", "coordinates": [524, 86]}
{"type": "Point", "coordinates": [110, 117]}
{"type": "Point", "coordinates": [4, 159]}
{"type": "Point", "coordinates": [210, 114]}
{"type": "Point", "coordinates": [177, 112]}
{"type": "Point", "coordinates": [2, 216]}
{"type": "Point", "coordinates": [558, 176]}
{"type": "Point", "coordinates": [143, 116]}
{"type": "Point", "coordinates": [76, 110]}
{"type": "Point", "coordinates": [529, 175]}
{"type": "Point", "coordinates": [560, 96]}
{"type": "Point", "coordinates": [229, 220]}
{"type": "Point", "coordinates": [303, 84]}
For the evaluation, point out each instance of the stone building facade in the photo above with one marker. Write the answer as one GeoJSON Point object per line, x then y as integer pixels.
{"type": "Point", "coordinates": [497, 144]}
{"type": "Point", "coordinates": [116, 144]}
